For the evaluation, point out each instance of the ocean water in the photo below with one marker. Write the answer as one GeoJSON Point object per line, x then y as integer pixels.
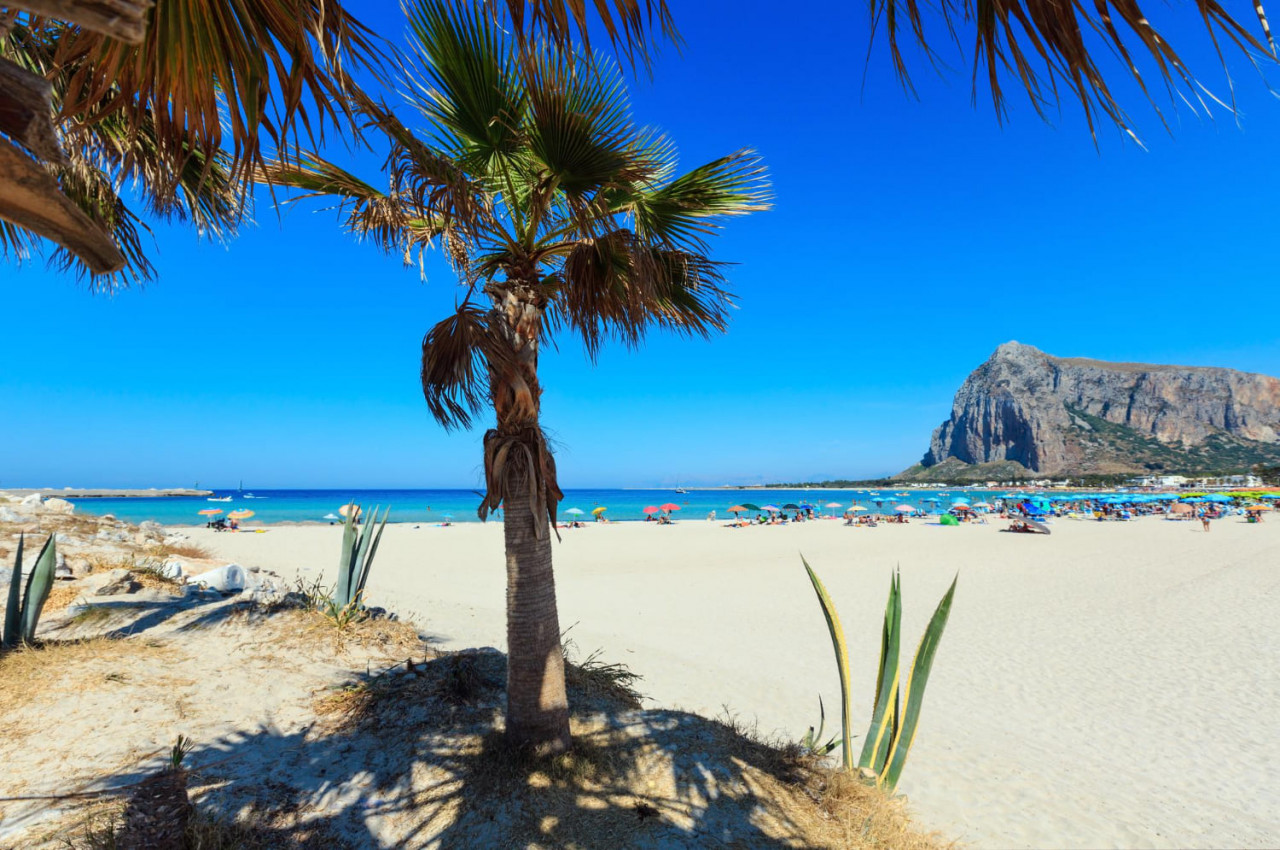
{"type": "Point", "coordinates": [432, 506]}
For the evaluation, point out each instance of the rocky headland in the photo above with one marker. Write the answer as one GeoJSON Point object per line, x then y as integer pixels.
{"type": "Point", "coordinates": [1025, 413]}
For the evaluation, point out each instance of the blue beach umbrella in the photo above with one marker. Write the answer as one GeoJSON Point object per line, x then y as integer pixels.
{"type": "Point", "coordinates": [575, 511]}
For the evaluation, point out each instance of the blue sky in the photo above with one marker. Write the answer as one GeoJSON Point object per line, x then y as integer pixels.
{"type": "Point", "coordinates": [909, 238]}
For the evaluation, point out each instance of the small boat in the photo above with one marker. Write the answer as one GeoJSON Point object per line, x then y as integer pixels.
{"type": "Point", "coordinates": [223, 499]}
{"type": "Point", "coordinates": [681, 490]}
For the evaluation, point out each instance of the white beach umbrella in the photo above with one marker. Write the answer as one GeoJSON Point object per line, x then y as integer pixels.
{"type": "Point", "coordinates": [904, 509]}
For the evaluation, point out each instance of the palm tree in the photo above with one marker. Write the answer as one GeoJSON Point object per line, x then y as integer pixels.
{"type": "Point", "coordinates": [557, 213]}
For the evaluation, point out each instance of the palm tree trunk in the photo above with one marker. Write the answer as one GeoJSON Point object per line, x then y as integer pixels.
{"type": "Point", "coordinates": [537, 707]}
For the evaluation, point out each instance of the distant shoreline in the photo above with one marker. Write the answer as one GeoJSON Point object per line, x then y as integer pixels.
{"type": "Point", "coordinates": [106, 493]}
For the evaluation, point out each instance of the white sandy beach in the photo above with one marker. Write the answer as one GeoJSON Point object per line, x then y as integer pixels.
{"type": "Point", "coordinates": [1115, 684]}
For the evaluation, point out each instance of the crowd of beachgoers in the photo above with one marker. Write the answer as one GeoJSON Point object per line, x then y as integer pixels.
{"type": "Point", "coordinates": [1025, 511]}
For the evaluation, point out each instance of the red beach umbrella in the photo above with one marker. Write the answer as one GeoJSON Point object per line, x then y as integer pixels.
{"type": "Point", "coordinates": [210, 512]}
{"type": "Point", "coordinates": [652, 509]}
{"type": "Point", "coordinates": [670, 507]}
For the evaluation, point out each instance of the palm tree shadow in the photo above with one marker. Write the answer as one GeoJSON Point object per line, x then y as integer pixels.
{"type": "Point", "coordinates": [417, 760]}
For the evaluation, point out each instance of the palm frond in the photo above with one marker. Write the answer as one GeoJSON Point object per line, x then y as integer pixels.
{"type": "Point", "coordinates": [580, 130]}
{"type": "Point", "coordinates": [221, 74]}
{"type": "Point", "coordinates": [93, 191]}
{"type": "Point", "coordinates": [457, 354]}
{"type": "Point", "coordinates": [620, 287]}
{"type": "Point", "coordinates": [683, 212]}
{"type": "Point", "coordinates": [1045, 45]}
{"type": "Point", "coordinates": [473, 89]}
{"type": "Point", "coordinates": [369, 213]}
{"type": "Point", "coordinates": [629, 24]}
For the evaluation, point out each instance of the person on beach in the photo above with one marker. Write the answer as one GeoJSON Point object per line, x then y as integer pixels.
{"type": "Point", "coordinates": [1204, 520]}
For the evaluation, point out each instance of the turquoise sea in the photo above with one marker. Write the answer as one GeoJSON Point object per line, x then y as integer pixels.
{"type": "Point", "coordinates": [270, 506]}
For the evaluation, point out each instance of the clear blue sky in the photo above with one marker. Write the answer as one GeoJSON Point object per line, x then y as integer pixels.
{"type": "Point", "coordinates": [910, 237]}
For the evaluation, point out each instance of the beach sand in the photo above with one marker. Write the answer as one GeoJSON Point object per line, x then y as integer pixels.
{"type": "Point", "coordinates": [1114, 684]}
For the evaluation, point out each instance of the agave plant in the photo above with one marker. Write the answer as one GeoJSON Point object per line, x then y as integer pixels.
{"type": "Point", "coordinates": [358, 548]}
{"type": "Point", "coordinates": [22, 613]}
{"type": "Point", "coordinates": [896, 715]}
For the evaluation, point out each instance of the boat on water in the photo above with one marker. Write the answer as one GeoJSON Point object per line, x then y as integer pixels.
{"type": "Point", "coordinates": [223, 499]}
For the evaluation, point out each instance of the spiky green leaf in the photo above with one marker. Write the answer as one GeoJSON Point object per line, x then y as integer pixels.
{"type": "Point", "coordinates": [39, 583]}
{"type": "Point", "coordinates": [841, 649]}
{"type": "Point", "coordinates": [884, 715]}
{"type": "Point", "coordinates": [913, 697]}
{"type": "Point", "coordinates": [13, 610]}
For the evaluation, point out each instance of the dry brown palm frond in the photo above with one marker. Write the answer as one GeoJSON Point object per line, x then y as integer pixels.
{"type": "Point", "coordinates": [1046, 44]}
{"type": "Point", "coordinates": [220, 75]}
{"type": "Point", "coordinates": [521, 458]}
{"type": "Point", "coordinates": [620, 287]}
{"type": "Point", "coordinates": [458, 355]}
{"type": "Point", "coordinates": [629, 24]}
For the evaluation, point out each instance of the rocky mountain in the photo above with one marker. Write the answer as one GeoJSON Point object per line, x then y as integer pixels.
{"type": "Point", "coordinates": [1051, 416]}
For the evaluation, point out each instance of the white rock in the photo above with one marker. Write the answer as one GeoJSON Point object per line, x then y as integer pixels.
{"type": "Point", "coordinates": [228, 579]}
{"type": "Point", "coordinates": [174, 569]}
{"type": "Point", "coordinates": [33, 499]}
{"type": "Point", "coordinates": [59, 506]}
{"type": "Point", "coordinates": [10, 515]}
{"type": "Point", "coordinates": [152, 529]}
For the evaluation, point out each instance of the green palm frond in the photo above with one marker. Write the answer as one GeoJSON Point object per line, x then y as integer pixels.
{"type": "Point", "coordinates": [579, 127]}
{"type": "Point", "coordinates": [1049, 45]}
{"type": "Point", "coordinates": [472, 88]}
{"type": "Point", "coordinates": [682, 213]}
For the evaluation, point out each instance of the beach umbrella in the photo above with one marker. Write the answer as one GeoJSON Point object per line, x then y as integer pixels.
{"type": "Point", "coordinates": [599, 510]}
{"type": "Point", "coordinates": [210, 512]}
{"type": "Point", "coordinates": [1258, 508]}
{"type": "Point", "coordinates": [791, 506]}
{"type": "Point", "coordinates": [240, 514]}
{"type": "Point", "coordinates": [773, 509]}
{"type": "Point", "coordinates": [349, 509]}
{"type": "Point", "coordinates": [331, 516]}
{"type": "Point", "coordinates": [960, 500]}
{"type": "Point", "coordinates": [737, 509]}
{"type": "Point", "coordinates": [857, 509]}
{"type": "Point", "coordinates": [653, 509]}
{"type": "Point", "coordinates": [961, 507]}
{"type": "Point", "coordinates": [833, 506]}
{"type": "Point", "coordinates": [750, 507]}
{"type": "Point", "coordinates": [447, 516]}
{"type": "Point", "coordinates": [904, 509]}
{"type": "Point", "coordinates": [575, 511]}
{"type": "Point", "coordinates": [986, 505]}
{"type": "Point", "coordinates": [670, 506]}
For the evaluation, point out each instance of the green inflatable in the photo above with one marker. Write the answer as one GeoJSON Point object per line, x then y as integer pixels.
{"type": "Point", "coordinates": [948, 519]}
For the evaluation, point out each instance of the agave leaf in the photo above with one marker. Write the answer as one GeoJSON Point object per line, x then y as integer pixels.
{"type": "Point", "coordinates": [358, 564]}
{"type": "Point", "coordinates": [13, 610]}
{"type": "Point", "coordinates": [39, 583]}
{"type": "Point", "coordinates": [875, 748]}
{"type": "Point", "coordinates": [349, 541]}
{"type": "Point", "coordinates": [914, 690]}
{"type": "Point", "coordinates": [842, 659]}
{"type": "Point", "coordinates": [373, 550]}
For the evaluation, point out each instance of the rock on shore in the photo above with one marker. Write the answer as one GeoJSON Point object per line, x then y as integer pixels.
{"type": "Point", "coordinates": [1070, 416]}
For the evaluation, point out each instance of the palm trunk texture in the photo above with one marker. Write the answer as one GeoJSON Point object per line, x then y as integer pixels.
{"type": "Point", "coordinates": [521, 465]}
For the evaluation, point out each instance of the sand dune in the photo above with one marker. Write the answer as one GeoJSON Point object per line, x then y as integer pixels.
{"type": "Point", "coordinates": [1114, 684]}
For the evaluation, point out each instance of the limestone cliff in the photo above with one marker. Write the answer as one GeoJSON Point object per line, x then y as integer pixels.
{"type": "Point", "coordinates": [1066, 415]}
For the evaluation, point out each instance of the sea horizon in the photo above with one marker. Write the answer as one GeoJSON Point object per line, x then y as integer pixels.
{"type": "Point", "coordinates": [438, 505]}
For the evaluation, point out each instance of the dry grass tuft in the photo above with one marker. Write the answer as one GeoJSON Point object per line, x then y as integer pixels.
{"type": "Point", "coordinates": [596, 680]}
{"type": "Point", "coordinates": [52, 668]}
{"type": "Point", "coordinates": [61, 595]}
{"type": "Point", "coordinates": [98, 829]}
{"type": "Point", "coordinates": [195, 551]}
